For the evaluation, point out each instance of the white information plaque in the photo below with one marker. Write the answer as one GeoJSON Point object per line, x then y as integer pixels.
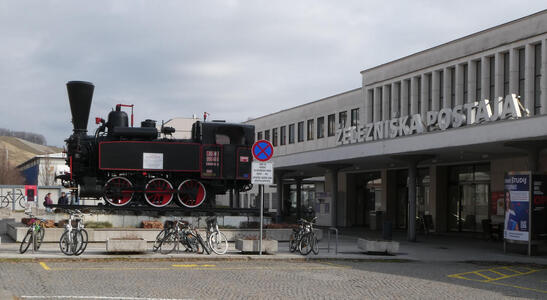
{"type": "Point", "coordinates": [262, 173]}
{"type": "Point", "coordinates": [152, 161]}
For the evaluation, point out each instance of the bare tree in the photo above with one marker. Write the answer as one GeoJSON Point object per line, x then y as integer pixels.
{"type": "Point", "coordinates": [46, 175]}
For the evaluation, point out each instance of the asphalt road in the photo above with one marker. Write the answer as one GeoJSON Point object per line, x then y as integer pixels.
{"type": "Point", "coordinates": [268, 279]}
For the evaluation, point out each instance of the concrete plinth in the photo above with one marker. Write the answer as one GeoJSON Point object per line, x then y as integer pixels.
{"type": "Point", "coordinates": [125, 245]}
{"type": "Point", "coordinates": [268, 246]}
{"type": "Point", "coordinates": [391, 247]}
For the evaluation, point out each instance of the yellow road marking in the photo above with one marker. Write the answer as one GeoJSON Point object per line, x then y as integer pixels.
{"type": "Point", "coordinates": [493, 270]}
{"type": "Point", "coordinates": [193, 267]}
{"type": "Point", "coordinates": [519, 287]}
{"type": "Point", "coordinates": [43, 264]}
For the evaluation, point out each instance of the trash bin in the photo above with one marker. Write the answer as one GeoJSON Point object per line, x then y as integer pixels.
{"type": "Point", "coordinates": [387, 231]}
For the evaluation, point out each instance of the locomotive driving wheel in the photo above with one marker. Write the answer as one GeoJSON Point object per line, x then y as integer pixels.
{"type": "Point", "coordinates": [118, 191]}
{"type": "Point", "coordinates": [158, 192]}
{"type": "Point", "coordinates": [191, 193]}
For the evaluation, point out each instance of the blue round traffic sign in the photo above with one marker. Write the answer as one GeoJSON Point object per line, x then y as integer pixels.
{"type": "Point", "coordinates": [262, 150]}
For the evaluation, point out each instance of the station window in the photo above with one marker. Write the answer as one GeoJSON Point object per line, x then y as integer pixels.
{"type": "Point", "coordinates": [478, 78]}
{"type": "Point", "coordinates": [342, 117]}
{"type": "Point", "coordinates": [505, 74]}
{"type": "Point", "coordinates": [355, 117]}
{"type": "Point", "coordinates": [537, 79]}
{"type": "Point", "coordinates": [465, 86]}
{"type": "Point", "coordinates": [283, 136]}
{"type": "Point", "coordinates": [492, 75]}
{"type": "Point", "coordinates": [452, 87]}
{"type": "Point", "coordinates": [300, 131]}
{"type": "Point", "coordinates": [320, 127]}
{"type": "Point", "coordinates": [291, 134]}
{"type": "Point", "coordinates": [310, 130]}
{"type": "Point", "coordinates": [274, 137]}
{"type": "Point", "coordinates": [267, 135]}
{"type": "Point", "coordinates": [441, 88]}
{"type": "Point", "coordinates": [331, 130]}
{"type": "Point", "coordinates": [521, 74]}
{"type": "Point", "coordinates": [259, 135]}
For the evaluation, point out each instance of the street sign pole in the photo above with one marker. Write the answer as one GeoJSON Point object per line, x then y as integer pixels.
{"type": "Point", "coordinates": [261, 192]}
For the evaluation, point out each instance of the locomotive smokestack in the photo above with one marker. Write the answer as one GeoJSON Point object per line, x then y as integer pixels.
{"type": "Point", "coordinates": [80, 94]}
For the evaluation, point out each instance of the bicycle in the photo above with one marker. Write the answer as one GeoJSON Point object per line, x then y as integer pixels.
{"type": "Point", "coordinates": [184, 234]}
{"type": "Point", "coordinates": [303, 238]}
{"type": "Point", "coordinates": [18, 197]}
{"type": "Point", "coordinates": [161, 235]}
{"type": "Point", "coordinates": [35, 234]}
{"type": "Point", "coordinates": [74, 240]}
{"type": "Point", "coordinates": [216, 239]}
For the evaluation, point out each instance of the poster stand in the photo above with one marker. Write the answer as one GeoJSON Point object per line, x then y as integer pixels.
{"type": "Point", "coordinates": [525, 209]}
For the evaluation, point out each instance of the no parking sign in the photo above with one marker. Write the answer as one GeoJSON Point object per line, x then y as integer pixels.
{"type": "Point", "coordinates": [262, 171]}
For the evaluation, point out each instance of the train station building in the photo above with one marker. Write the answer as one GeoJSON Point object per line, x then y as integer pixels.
{"type": "Point", "coordinates": [430, 134]}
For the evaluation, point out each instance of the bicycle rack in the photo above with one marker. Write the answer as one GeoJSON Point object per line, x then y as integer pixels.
{"type": "Point", "coordinates": [329, 231]}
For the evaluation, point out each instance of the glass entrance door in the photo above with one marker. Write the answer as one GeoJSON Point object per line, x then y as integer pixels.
{"type": "Point", "coordinates": [468, 205]}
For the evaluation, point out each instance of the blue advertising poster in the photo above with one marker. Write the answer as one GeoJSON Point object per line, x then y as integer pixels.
{"type": "Point", "coordinates": [517, 207]}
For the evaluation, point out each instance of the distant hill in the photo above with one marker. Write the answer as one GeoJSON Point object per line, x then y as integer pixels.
{"type": "Point", "coordinates": [20, 150]}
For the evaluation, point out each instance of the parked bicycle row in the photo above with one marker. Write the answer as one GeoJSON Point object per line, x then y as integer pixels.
{"type": "Point", "coordinates": [178, 235]}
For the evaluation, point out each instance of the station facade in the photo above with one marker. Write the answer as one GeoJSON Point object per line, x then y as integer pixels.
{"type": "Point", "coordinates": [430, 134]}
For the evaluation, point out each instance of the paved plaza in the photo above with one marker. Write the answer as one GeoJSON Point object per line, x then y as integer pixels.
{"type": "Point", "coordinates": [265, 279]}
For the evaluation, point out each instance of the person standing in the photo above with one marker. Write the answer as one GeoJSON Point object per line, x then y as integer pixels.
{"type": "Point", "coordinates": [63, 200]}
{"type": "Point", "coordinates": [48, 202]}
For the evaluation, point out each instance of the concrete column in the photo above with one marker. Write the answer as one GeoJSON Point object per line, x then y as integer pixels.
{"type": "Point", "coordinates": [543, 96]}
{"type": "Point", "coordinates": [499, 76]}
{"type": "Point", "coordinates": [237, 200]}
{"type": "Point", "coordinates": [395, 101]}
{"type": "Point", "coordinates": [231, 191]}
{"type": "Point", "coordinates": [459, 85]}
{"type": "Point", "coordinates": [471, 81]}
{"type": "Point", "coordinates": [485, 80]}
{"type": "Point", "coordinates": [405, 98]}
{"type": "Point", "coordinates": [369, 100]}
{"type": "Point", "coordinates": [377, 102]}
{"type": "Point", "coordinates": [425, 95]}
{"type": "Point", "coordinates": [386, 113]}
{"type": "Point", "coordinates": [513, 71]}
{"type": "Point", "coordinates": [435, 90]}
{"type": "Point", "coordinates": [529, 78]}
{"type": "Point", "coordinates": [447, 87]}
{"type": "Point", "coordinates": [413, 96]}
{"type": "Point", "coordinates": [298, 198]}
{"type": "Point", "coordinates": [412, 174]}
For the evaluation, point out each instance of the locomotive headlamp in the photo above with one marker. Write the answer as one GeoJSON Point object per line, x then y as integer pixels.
{"type": "Point", "coordinates": [99, 121]}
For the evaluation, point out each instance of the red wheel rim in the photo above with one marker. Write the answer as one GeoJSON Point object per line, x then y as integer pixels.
{"type": "Point", "coordinates": [191, 193]}
{"type": "Point", "coordinates": [118, 191]}
{"type": "Point", "coordinates": [159, 192]}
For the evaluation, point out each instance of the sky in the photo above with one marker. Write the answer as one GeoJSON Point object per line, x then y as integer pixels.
{"type": "Point", "coordinates": [235, 60]}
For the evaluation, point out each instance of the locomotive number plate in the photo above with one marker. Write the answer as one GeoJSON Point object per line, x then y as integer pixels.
{"type": "Point", "coordinates": [152, 161]}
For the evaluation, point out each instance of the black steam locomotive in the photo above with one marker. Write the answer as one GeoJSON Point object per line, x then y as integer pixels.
{"type": "Point", "coordinates": [129, 165]}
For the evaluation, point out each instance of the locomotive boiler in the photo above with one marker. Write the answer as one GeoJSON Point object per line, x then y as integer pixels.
{"type": "Point", "coordinates": [144, 165]}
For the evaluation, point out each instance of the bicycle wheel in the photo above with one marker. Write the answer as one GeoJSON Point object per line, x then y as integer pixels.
{"type": "Point", "coordinates": [22, 202]}
{"type": "Point", "coordinates": [26, 242]}
{"type": "Point", "coordinates": [169, 243]}
{"type": "Point", "coordinates": [218, 242]}
{"type": "Point", "coordinates": [159, 238]}
{"type": "Point", "coordinates": [65, 243]}
{"type": "Point", "coordinates": [83, 246]}
{"type": "Point", "coordinates": [77, 241]}
{"type": "Point", "coordinates": [305, 244]}
{"type": "Point", "coordinates": [293, 243]}
{"type": "Point", "coordinates": [39, 237]}
{"type": "Point", "coordinates": [314, 245]}
{"type": "Point", "coordinates": [4, 202]}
